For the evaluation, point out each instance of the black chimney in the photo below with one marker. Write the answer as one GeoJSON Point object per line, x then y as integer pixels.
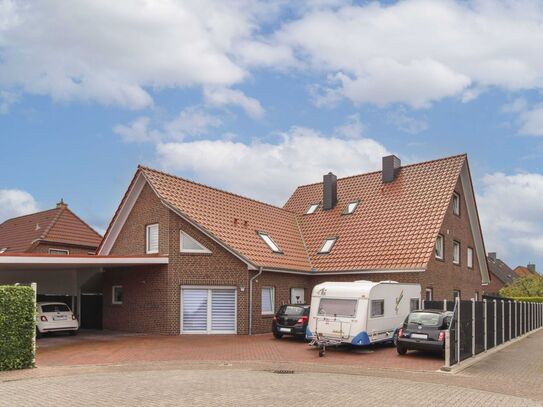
{"type": "Point", "coordinates": [329, 191]}
{"type": "Point", "coordinates": [492, 255]}
{"type": "Point", "coordinates": [531, 267]}
{"type": "Point", "coordinates": [391, 168]}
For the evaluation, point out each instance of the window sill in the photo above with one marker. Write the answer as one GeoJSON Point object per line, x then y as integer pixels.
{"type": "Point", "coordinates": [268, 314]}
{"type": "Point", "coordinates": [440, 259]}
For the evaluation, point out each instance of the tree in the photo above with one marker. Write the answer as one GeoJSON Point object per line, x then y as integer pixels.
{"type": "Point", "coordinates": [529, 286]}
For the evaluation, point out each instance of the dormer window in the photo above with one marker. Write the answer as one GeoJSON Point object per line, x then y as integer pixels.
{"type": "Point", "coordinates": [268, 240]}
{"type": "Point", "coordinates": [327, 245]}
{"type": "Point", "coordinates": [350, 208]}
{"type": "Point", "coordinates": [456, 204]}
{"type": "Point", "coordinates": [312, 208]}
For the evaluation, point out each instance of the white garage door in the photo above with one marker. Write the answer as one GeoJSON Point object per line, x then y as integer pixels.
{"type": "Point", "coordinates": [208, 310]}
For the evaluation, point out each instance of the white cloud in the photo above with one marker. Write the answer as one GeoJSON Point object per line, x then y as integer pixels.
{"type": "Point", "coordinates": [302, 156]}
{"type": "Point", "coordinates": [113, 52]}
{"type": "Point", "coordinates": [6, 100]}
{"type": "Point", "coordinates": [419, 51]}
{"type": "Point", "coordinates": [190, 122]}
{"type": "Point", "coordinates": [15, 202]}
{"type": "Point", "coordinates": [511, 213]}
{"type": "Point", "coordinates": [406, 123]}
{"type": "Point", "coordinates": [224, 97]}
{"type": "Point", "coordinates": [532, 121]}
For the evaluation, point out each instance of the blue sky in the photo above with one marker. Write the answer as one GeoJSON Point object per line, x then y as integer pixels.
{"type": "Point", "coordinates": [259, 97]}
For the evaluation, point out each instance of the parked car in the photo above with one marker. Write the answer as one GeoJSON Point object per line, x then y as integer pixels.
{"type": "Point", "coordinates": [55, 317]}
{"type": "Point", "coordinates": [291, 320]}
{"type": "Point", "coordinates": [423, 330]}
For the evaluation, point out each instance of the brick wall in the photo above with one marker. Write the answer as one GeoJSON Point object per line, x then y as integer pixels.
{"type": "Point", "coordinates": [44, 248]}
{"type": "Point", "coordinates": [495, 285]}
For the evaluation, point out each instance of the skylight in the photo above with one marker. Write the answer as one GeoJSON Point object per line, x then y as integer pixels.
{"type": "Point", "coordinates": [271, 244]}
{"type": "Point", "coordinates": [312, 208]}
{"type": "Point", "coordinates": [327, 245]}
{"type": "Point", "coordinates": [3, 249]}
{"type": "Point", "coordinates": [350, 208]}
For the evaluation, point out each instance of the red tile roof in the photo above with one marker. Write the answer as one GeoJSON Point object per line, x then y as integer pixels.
{"type": "Point", "coordinates": [58, 225]}
{"type": "Point", "coordinates": [394, 226]}
{"type": "Point", "coordinates": [522, 271]}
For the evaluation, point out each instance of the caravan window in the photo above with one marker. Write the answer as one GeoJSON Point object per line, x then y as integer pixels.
{"type": "Point", "coordinates": [337, 307]}
{"type": "Point", "coordinates": [377, 308]}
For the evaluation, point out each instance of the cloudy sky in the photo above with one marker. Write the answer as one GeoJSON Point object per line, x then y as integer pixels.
{"type": "Point", "coordinates": [258, 97]}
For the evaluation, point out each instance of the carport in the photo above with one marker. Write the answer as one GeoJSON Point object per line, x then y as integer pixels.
{"type": "Point", "coordinates": [75, 280]}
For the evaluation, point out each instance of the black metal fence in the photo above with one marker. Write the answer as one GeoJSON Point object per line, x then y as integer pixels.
{"type": "Point", "coordinates": [477, 326]}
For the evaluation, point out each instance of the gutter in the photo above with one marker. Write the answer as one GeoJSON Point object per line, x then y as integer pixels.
{"type": "Point", "coordinates": [260, 270]}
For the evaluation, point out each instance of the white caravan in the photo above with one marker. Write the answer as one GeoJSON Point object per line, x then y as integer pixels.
{"type": "Point", "coordinates": [359, 312]}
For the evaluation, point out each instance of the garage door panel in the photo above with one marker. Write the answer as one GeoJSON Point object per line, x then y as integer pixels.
{"type": "Point", "coordinates": [223, 310]}
{"type": "Point", "coordinates": [195, 310]}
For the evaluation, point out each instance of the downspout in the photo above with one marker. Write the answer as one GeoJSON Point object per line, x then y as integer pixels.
{"type": "Point", "coordinates": [251, 300]}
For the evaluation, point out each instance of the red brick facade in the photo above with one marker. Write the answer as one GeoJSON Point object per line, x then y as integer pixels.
{"type": "Point", "coordinates": [152, 300]}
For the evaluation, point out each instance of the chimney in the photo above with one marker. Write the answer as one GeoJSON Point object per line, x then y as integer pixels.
{"type": "Point", "coordinates": [492, 255]}
{"type": "Point", "coordinates": [531, 267]}
{"type": "Point", "coordinates": [329, 193]}
{"type": "Point", "coordinates": [391, 168]}
{"type": "Point", "coordinates": [62, 204]}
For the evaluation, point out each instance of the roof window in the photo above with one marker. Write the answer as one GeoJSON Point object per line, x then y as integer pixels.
{"type": "Point", "coordinates": [3, 249]}
{"type": "Point", "coordinates": [327, 245]}
{"type": "Point", "coordinates": [312, 208]}
{"type": "Point", "coordinates": [268, 240]}
{"type": "Point", "coordinates": [350, 208]}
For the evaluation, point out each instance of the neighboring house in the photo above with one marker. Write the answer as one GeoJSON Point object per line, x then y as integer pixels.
{"type": "Point", "coordinates": [232, 261]}
{"type": "Point", "coordinates": [529, 270]}
{"type": "Point", "coordinates": [55, 231]}
{"type": "Point", "coordinates": [500, 272]}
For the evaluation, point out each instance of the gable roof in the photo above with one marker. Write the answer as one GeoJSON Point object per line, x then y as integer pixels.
{"type": "Point", "coordinates": [501, 270]}
{"type": "Point", "coordinates": [58, 225]}
{"type": "Point", "coordinates": [394, 226]}
{"type": "Point", "coordinates": [523, 271]}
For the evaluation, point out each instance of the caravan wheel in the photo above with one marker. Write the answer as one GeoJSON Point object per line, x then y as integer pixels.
{"type": "Point", "coordinates": [322, 352]}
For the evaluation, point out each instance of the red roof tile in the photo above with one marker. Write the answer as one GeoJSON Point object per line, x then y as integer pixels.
{"type": "Point", "coordinates": [59, 225]}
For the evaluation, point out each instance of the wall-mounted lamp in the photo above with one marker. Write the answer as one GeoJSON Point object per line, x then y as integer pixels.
{"type": "Point", "coordinates": [241, 288]}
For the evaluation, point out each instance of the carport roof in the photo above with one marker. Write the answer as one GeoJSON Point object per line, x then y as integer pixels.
{"type": "Point", "coordinates": [48, 261]}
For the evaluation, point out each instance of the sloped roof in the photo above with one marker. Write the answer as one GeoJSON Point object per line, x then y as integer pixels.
{"type": "Point", "coordinates": [393, 228]}
{"type": "Point", "coordinates": [501, 270]}
{"type": "Point", "coordinates": [522, 271]}
{"type": "Point", "coordinates": [58, 225]}
{"type": "Point", "coordinates": [394, 225]}
{"type": "Point", "coordinates": [234, 220]}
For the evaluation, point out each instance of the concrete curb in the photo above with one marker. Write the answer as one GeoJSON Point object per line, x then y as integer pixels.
{"type": "Point", "coordinates": [459, 367]}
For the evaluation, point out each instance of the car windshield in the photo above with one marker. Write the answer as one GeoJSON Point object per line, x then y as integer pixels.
{"type": "Point", "coordinates": [292, 310]}
{"type": "Point", "coordinates": [337, 307]}
{"type": "Point", "coordinates": [423, 318]}
{"type": "Point", "coordinates": [55, 308]}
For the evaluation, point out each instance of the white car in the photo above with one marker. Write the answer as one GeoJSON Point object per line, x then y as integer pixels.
{"type": "Point", "coordinates": [55, 317]}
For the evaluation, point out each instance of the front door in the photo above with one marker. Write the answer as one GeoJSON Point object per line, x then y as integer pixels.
{"type": "Point", "coordinates": [208, 310]}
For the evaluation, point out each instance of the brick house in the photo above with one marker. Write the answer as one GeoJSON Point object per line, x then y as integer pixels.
{"type": "Point", "coordinates": [55, 231]}
{"type": "Point", "coordinates": [232, 261]}
{"type": "Point", "coordinates": [501, 274]}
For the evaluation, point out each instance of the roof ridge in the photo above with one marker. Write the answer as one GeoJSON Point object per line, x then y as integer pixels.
{"type": "Point", "coordinates": [214, 188]}
{"type": "Point", "coordinates": [403, 166]}
{"type": "Point", "coordinates": [53, 222]}
{"type": "Point", "coordinates": [28, 214]}
{"type": "Point", "coordinates": [85, 223]}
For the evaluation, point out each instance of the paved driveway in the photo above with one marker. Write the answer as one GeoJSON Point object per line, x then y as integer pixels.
{"type": "Point", "coordinates": [107, 348]}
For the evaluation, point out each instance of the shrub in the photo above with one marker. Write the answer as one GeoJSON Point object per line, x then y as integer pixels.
{"type": "Point", "coordinates": [17, 327]}
{"type": "Point", "coordinates": [529, 286]}
{"type": "Point", "coordinates": [528, 299]}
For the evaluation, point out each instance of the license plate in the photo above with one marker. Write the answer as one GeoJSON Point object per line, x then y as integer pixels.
{"type": "Point", "coordinates": [419, 336]}
{"type": "Point", "coordinates": [60, 318]}
{"type": "Point", "coordinates": [284, 330]}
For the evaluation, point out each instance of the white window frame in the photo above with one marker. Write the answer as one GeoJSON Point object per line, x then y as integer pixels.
{"type": "Point", "coordinates": [113, 300]}
{"type": "Point", "coordinates": [312, 209]}
{"type": "Point", "coordinates": [371, 309]}
{"type": "Point", "coordinates": [291, 292]}
{"type": "Point", "coordinates": [330, 239]}
{"type": "Point", "coordinates": [440, 238]}
{"type": "Point", "coordinates": [147, 234]}
{"type": "Point", "coordinates": [456, 203]}
{"type": "Point", "coordinates": [56, 251]}
{"type": "Point", "coordinates": [270, 242]}
{"type": "Point", "coordinates": [182, 235]}
{"type": "Point", "coordinates": [456, 252]}
{"type": "Point", "coordinates": [469, 261]}
{"type": "Point", "coordinates": [349, 211]}
{"type": "Point", "coordinates": [272, 312]}
{"type": "Point", "coordinates": [431, 291]}
{"type": "Point", "coordinates": [209, 331]}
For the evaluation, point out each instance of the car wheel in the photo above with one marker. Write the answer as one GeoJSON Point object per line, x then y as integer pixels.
{"type": "Point", "coordinates": [38, 334]}
{"type": "Point", "coordinates": [277, 335]}
{"type": "Point", "coordinates": [401, 350]}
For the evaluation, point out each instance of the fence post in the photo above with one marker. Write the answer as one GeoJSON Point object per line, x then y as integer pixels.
{"type": "Point", "coordinates": [523, 318]}
{"type": "Point", "coordinates": [444, 305]}
{"type": "Point", "coordinates": [509, 320]}
{"type": "Point", "coordinates": [516, 319]}
{"type": "Point", "coordinates": [485, 318]}
{"type": "Point", "coordinates": [473, 327]}
{"type": "Point", "coordinates": [495, 323]}
{"type": "Point", "coordinates": [457, 300]}
{"type": "Point", "coordinates": [503, 321]}
{"type": "Point", "coordinates": [448, 347]}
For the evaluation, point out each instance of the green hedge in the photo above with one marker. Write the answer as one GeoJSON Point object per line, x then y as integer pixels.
{"type": "Point", "coordinates": [528, 299]}
{"type": "Point", "coordinates": [17, 327]}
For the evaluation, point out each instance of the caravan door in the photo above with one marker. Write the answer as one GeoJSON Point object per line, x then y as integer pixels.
{"type": "Point", "coordinates": [335, 316]}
